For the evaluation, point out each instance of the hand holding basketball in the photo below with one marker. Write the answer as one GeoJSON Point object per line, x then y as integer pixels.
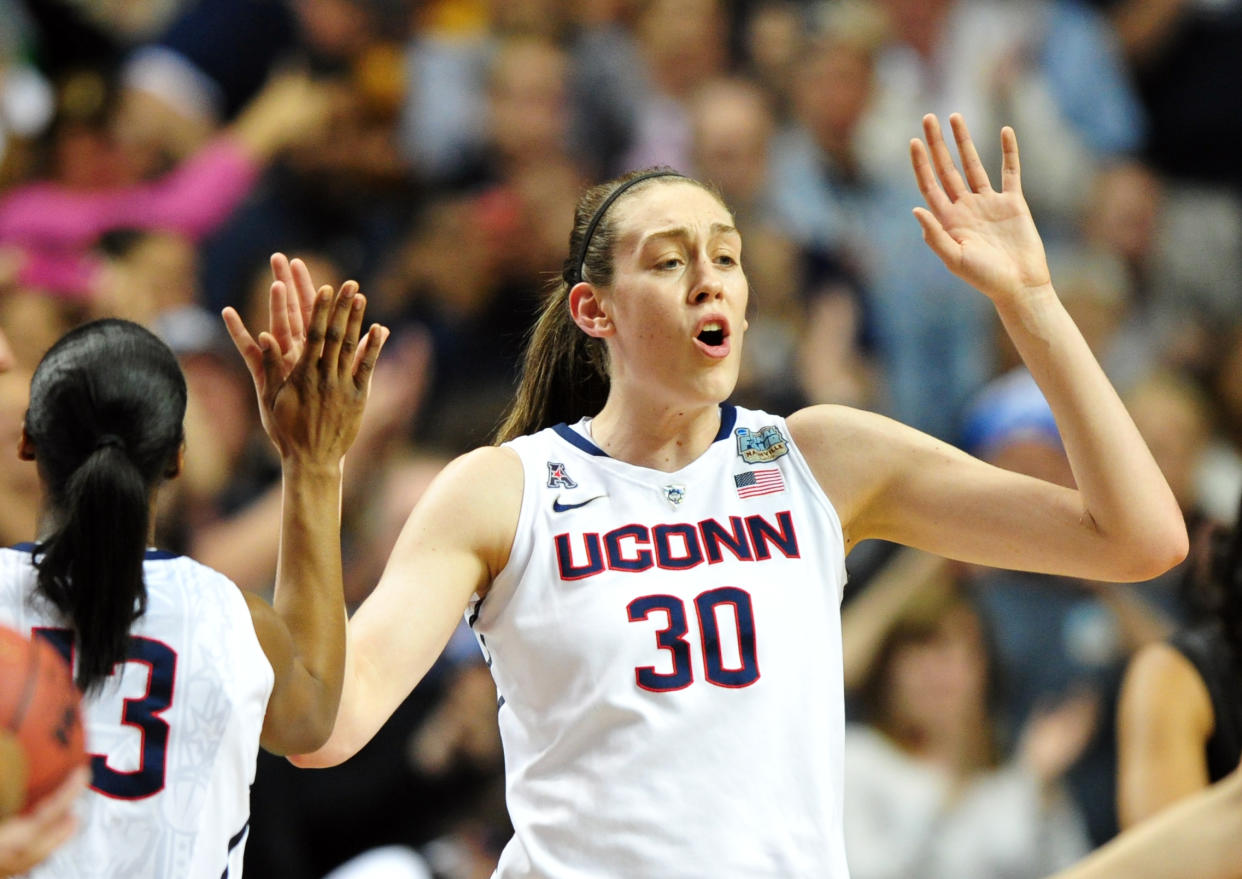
{"type": "Point", "coordinates": [40, 707]}
{"type": "Point", "coordinates": [27, 839]}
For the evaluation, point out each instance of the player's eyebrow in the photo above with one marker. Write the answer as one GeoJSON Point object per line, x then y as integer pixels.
{"type": "Point", "coordinates": [683, 232]}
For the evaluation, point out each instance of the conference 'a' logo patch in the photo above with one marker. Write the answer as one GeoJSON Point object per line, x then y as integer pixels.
{"type": "Point", "coordinates": [558, 476]}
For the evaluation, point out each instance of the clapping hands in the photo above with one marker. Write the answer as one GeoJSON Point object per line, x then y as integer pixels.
{"type": "Point", "coordinates": [312, 369]}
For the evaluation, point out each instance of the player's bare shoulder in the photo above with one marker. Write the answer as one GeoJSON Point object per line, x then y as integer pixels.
{"type": "Point", "coordinates": [829, 426]}
{"type": "Point", "coordinates": [487, 456]}
{"type": "Point", "coordinates": [474, 503]}
{"type": "Point", "coordinates": [851, 451]}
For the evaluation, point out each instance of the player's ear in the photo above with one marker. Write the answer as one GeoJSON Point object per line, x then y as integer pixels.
{"type": "Point", "coordinates": [177, 464]}
{"type": "Point", "coordinates": [589, 311]}
{"type": "Point", "coordinates": [25, 448]}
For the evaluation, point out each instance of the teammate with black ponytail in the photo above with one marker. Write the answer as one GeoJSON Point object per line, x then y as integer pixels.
{"type": "Point", "coordinates": [184, 675]}
{"type": "Point", "coordinates": [104, 425]}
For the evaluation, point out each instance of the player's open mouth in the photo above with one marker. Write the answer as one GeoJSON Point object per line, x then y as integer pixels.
{"type": "Point", "coordinates": [713, 336]}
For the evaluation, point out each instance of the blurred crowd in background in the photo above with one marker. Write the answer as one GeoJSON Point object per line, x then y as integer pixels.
{"type": "Point", "coordinates": [154, 153]}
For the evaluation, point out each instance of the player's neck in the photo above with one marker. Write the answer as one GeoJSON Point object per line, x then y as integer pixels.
{"type": "Point", "coordinates": [662, 438]}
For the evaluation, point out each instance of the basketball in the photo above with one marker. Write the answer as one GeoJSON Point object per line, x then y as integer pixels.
{"type": "Point", "coordinates": [41, 707]}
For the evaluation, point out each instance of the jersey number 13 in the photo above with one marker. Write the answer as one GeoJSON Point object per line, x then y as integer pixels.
{"type": "Point", "coordinates": [142, 713]}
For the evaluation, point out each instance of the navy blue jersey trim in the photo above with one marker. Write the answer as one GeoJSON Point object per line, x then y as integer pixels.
{"type": "Point", "coordinates": [728, 418]}
{"type": "Point", "coordinates": [151, 554]}
{"type": "Point", "coordinates": [237, 838]}
{"type": "Point", "coordinates": [571, 436]}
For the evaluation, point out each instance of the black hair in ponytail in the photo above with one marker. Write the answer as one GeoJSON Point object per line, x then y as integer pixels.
{"type": "Point", "coordinates": [107, 405]}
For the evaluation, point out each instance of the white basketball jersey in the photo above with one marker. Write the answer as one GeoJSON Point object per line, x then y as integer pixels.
{"type": "Point", "coordinates": [174, 733]}
{"type": "Point", "coordinates": [667, 652]}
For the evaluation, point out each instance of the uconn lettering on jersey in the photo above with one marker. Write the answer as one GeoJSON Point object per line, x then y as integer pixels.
{"type": "Point", "coordinates": [679, 546]}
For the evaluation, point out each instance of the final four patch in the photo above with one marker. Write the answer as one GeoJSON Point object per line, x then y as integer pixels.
{"type": "Point", "coordinates": [558, 477]}
{"type": "Point", "coordinates": [767, 444]}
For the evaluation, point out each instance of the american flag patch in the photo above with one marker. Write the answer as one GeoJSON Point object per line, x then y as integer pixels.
{"type": "Point", "coordinates": [753, 483]}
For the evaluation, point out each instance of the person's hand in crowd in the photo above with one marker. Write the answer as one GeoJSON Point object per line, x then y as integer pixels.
{"type": "Point", "coordinates": [397, 391]}
{"type": "Point", "coordinates": [462, 730]}
{"type": "Point", "coordinates": [290, 109]}
{"type": "Point", "coordinates": [11, 261]}
{"type": "Point", "coordinates": [1055, 736]}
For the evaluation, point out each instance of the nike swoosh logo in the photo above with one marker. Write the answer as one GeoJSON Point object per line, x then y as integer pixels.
{"type": "Point", "coordinates": [558, 507]}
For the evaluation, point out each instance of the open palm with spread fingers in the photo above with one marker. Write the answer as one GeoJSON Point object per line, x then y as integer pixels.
{"type": "Point", "coordinates": [312, 370]}
{"type": "Point", "coordinates": [984, 236]}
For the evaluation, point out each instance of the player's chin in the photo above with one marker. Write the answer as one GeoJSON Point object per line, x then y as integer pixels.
{"type": "Point", "coordinates": [718, 382]}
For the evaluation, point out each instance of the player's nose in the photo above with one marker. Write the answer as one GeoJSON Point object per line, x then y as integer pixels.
{"type": "Point", "coordinates": [706, 284]}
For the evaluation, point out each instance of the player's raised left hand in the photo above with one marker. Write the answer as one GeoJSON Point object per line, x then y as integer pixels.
{"type": "Point", "coordinates": [986, 237]}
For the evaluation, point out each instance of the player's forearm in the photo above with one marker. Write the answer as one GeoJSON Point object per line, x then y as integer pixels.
{"type": "Point", "coordinates": [352, 727]}
{"type": "Point", "coordinates": [309, 594]}
{"type": "Point", "coordinates": [1125, 496]}
{"type": "Point", "coordinates": [383, 663]}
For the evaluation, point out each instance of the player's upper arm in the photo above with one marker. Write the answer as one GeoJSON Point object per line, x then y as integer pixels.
{"type": "Point", "coordinates": [286, 725]}
{"type": "Point", "coordinates": [1164, 719]}
{"type": "Point", "coordinates": [892, 482]}
{"type": "Point", "coordinates": [456, 540]}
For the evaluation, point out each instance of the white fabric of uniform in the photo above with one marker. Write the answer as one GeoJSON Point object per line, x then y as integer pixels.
{"type": "Point", "coordinates": [606, 778]}
{"type": "Point", "coordinates": [195, 825]}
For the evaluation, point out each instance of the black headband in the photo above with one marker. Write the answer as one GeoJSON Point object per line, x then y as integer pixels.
{"type": "Point", "coordinates": [580, 260]}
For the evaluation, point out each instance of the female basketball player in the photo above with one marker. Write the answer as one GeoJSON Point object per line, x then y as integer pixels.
{"type": "Point", "coordinates": [183, 677]}
{"type": "Point", "coordinates": [655, 575]}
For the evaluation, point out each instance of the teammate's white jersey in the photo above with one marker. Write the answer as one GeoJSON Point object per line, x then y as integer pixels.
{"type": "Point", "coordinates": [667, 651]}
{"type": "Point", "coordinates": [173, 734]}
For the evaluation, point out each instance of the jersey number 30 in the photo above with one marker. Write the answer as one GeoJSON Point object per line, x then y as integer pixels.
{"type": "Point", "coordinates": [673, 639]}
{"type": "Point", "coordinates": [142, 713]}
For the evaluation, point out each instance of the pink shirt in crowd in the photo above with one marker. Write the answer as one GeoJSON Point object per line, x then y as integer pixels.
{"type": "Point", "coordinates": [55, 227]}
